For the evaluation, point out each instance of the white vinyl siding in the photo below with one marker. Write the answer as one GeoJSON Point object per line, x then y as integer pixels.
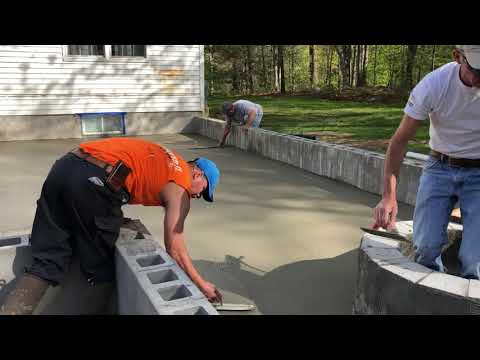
{"type": "Point", "coordinates": [42, 80]}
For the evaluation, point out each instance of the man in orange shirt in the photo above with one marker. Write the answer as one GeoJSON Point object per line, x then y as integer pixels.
{"type": "Point", "coordinates": [79, 211]}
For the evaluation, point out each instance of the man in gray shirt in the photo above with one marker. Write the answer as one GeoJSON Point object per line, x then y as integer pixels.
{"type": "Point", "coordinates": [243, 112]}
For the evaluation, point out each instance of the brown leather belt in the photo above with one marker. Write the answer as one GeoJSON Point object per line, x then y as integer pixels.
{"type": "Point", "coordinates": [87, 157]}
{"type": "Point", "coordinates": [458, 162]}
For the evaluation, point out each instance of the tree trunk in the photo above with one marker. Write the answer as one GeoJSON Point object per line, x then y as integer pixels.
{"type": "Point", "coordinates": [411, 54]}
{"type": "Point", "coordinates": [358, 81]}
{"type": "Point", "coordinates": [275, 68]}
{"type": "Point", "coordinates": [292, 67]}
{"type": "Point", "coordinates": [313, 72]}
{"type": "Point", "coordinates": [329, 66]}
{"type": "Point", "coordinates": [363, 78]}
{"type": "Point", "coordinates": [282, 69]}
{"type": "Point", "coordinates": [375, 66]}
{"type": "Point", "coordinates": [250, 75]}
{"type": "Point", "coordinates": [344, 55]}
{"type": "Point", "coordinates": [433, 58]}
{"type": "Point", "coordinates": [264, 69]}
{"type": "Point", "coordinates": [236, 70]}
{"type": "Point", "coordinates": [352, 66]}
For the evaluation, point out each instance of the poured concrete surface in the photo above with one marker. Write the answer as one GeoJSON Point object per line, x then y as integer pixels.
{"type": "Point", "coordinates": [276, 236]}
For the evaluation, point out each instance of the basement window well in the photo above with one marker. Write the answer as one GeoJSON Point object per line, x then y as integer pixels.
{"type": "Point", "coordinates": [102, 123]}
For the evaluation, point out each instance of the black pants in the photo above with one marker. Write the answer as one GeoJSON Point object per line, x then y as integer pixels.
{"type": "Point", "coordinates": [76, 217]}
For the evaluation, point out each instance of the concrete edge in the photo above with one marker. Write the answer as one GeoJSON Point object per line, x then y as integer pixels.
{"type": "Point", "coordinates": [360, 168]}
{"type": "Point", "coordinates": [380, 258]}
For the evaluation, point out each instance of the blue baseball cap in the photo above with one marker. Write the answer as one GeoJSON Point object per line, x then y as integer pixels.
{"type": "Point", "coordinates": [212, 174]}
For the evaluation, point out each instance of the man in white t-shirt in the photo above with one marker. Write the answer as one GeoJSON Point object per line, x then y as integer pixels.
{"type": "Point", "coordinates": [450, 97]}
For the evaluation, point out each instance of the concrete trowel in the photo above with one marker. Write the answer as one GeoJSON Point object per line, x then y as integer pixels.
{"type": "Point", "coordinates": [233, 307]}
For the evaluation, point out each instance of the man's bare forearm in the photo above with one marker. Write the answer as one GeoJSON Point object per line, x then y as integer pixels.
{"type": "Point", "coordinates": [225, 134]}
{"type": "Point", "coordinates": [393, 161]}
{"type": "Point", "coordinates": [178, 252]}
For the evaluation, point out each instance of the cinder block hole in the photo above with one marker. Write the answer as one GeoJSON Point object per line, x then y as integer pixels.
{"type": "Point", "coordinates": [174, 292]}
{"type": "Point", "coordinates": [150, 260]}
{"type": "Point", "coordinates": [162, 276]}
{"type": "Point", "coordinates": [10, 241]}
{"type": "Point", "coordinates": [449, 252]}
{"type": "Point", "coordinates": [197, 310]}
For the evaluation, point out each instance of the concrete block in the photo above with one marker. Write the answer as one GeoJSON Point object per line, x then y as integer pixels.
{"type": "Point", "coordinates": [330, 163]}
{"type": "Point", "coordinates": [474, 289]}
{"type": "Point", "coordinates": [385, 256]}
{"type": "Point", "coordinates": [446, 282]}
{"type": "Point", "coordinates": [381, 292]}
{"type": "Point", "coordinates": [294, 150]}
{"type": "Point", "coordinates": [15, 254]}
{"type": "Point", "coordinates": [150, 282]}
{"type": "Point", "coordinates": [202, 307]}
{"type": "Point", "coordinates": [410, 271]}
{"type": "Point", "coordinates": [274, 147]}
{"type": "Point", "coordinates": [373, 174]}
{"type": "Point", "coordinates": [373, 241]}
{"type": "Point", "coordinates": [146, 261]}
{"type": "Point", "coordinates": [348, 166]}
{"type": "Point", "coordinates": [394, 289]}
{"type": "Point", "coordinates": [408, 182]}
{"type": "Point", "coordinates": [405, 228]}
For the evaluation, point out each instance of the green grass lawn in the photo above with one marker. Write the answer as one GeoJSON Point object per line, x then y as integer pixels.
{"type": "Point", "coordinates": [359, 124]}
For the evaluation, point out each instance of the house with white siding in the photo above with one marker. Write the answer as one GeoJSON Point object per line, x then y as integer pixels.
{"type": "Point", "coordinates": [73, 91]}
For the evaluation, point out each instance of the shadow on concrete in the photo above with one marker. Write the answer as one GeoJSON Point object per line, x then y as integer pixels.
{"type": "Point", "coordinates": [323, 286]}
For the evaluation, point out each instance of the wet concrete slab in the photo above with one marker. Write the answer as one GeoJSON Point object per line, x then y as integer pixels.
{"type": "Point", "coordinates": [276, 236]}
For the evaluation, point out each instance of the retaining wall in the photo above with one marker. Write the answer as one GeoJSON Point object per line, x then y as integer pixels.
{"type": "Point", "coordinates": [360, 168]}
{"type": "Point", "coordinates": [389, 283]}
{"type": "Point", "coordinates": [150, 282]}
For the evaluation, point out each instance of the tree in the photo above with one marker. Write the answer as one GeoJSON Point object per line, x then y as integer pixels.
{"type": "Point", "coordinates": [313, 72]}
{"type": "Point", "coordinates": [253, 69]}
{"type": "Point", "coordinates": [264, 68]}
{"type": "Point", "coordinates": [250, 68]}
{"type": "Point", "coordinates": [410, 63]}
{"type": "Point", "coordinates": [344, 54]}
{"type": "Point", "coordinates": [281, 69]}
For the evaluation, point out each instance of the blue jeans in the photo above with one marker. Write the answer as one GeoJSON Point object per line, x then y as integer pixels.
{"type": "Point", "coordinates": [441, 186]}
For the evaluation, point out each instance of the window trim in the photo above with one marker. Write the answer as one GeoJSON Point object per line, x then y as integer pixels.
{"type": "Point", "coordinates": [108, 56]}
{"type": "Point", "coordinates": [85, 116]}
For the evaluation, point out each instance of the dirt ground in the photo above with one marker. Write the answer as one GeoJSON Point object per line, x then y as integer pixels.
{"type": "Point", "coordinates": [379, 145]}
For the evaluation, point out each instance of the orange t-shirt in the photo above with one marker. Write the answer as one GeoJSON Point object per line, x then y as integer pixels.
{"type": "Point", "coordinates": [152, 165]}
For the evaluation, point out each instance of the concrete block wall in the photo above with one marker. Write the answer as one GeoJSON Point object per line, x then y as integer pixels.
{"type": "Point", "coordinates": [389, 283]}
{"type": "Point", "coordinates": [360, 168]}
{"type": "Point", "coordinates": [150, 282]}
{"type": "Point", "coordinates": [14, 255]}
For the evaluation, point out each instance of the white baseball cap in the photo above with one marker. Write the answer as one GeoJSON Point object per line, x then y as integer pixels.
{"type": "Point", "coordinates": [472, 53]}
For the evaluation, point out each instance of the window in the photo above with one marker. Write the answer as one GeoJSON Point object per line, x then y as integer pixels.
{"type": "Point", "coordinates": [86, 50]}
{"type": "Point", "coordinates": [122, 53]}
{"type": "Point", "coordinates": [103, 123]}
{"type": "Point", "coordinates": [129, 50]}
